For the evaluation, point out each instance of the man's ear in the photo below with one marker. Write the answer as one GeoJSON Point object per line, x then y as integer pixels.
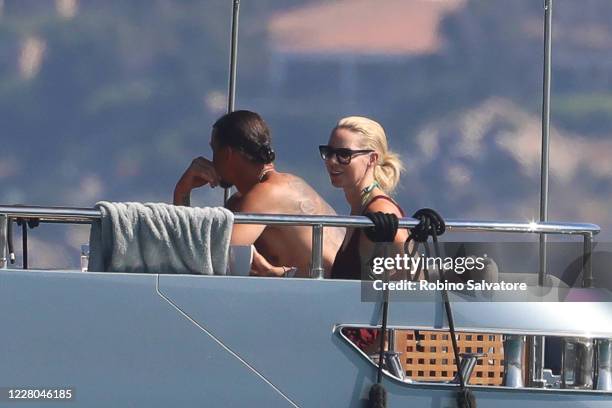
{"type": "Point", "coordinates": [229, 153]}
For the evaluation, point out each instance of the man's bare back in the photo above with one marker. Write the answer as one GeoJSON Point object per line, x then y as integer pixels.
{"type": "Point", "coordinates": [284, 193]}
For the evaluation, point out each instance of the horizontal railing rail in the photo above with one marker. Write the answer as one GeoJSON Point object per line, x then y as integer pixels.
{"type": "Point", "coordinates": [68, 214]}
{"type": "Point", "coordinates": [318, 222]}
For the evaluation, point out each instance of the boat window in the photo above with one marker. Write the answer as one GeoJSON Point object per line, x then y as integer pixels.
{"type": "Point", "coordinates": [431, 362]}
{"type": "Point", "coordinates": [565, 358]}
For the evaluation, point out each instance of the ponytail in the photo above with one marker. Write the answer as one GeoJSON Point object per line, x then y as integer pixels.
{"type": "Point", "coordinates": [387, 172]}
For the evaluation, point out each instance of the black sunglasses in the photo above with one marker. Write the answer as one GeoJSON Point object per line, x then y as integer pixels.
{"type": "Point", "coordinates": [343, 155]}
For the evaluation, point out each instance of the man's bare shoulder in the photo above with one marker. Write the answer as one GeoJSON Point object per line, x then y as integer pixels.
{"type": "Point", "coordinates": [299, 197]}
{"type": "Point", "coordinates": [284, 193]}
{"type": "Point", "coordinates": [262, 197]}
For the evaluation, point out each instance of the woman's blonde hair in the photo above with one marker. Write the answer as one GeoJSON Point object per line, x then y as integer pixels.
{"type": "Point", "coordinates": [389, 166]}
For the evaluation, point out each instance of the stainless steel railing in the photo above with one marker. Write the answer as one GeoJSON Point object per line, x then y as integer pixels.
{"type": "Point", "coordinates": [318, 222]}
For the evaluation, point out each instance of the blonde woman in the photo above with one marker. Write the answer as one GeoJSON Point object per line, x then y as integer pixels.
{"type": "Point", "coordinates": [359, 161]}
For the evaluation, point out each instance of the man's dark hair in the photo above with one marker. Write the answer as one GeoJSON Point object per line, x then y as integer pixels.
{"type": "Point", "coordinates": [245, 131]}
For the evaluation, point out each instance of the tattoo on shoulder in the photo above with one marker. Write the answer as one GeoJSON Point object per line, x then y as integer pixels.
{"type": "Point", "coordinates": [307, 206]}
{"type": "Point", "coordinates": [309, 202]}
{"type": "Point", "coordinates": [307, 199]}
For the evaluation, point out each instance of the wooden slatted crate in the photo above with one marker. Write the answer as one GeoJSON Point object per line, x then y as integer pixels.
{"type": "Point", "coordinates": [428, 355]}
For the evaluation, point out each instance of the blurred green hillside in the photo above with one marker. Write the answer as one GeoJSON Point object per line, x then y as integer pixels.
{"type": "Point", "coordinates": [112, 99]}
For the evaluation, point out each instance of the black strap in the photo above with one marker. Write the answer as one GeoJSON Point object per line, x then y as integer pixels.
{"type": "Point", "coordinates": [384, 229]}
{"type": "Point", "coordinates": [466, 399]}
{"type": "Point", "coordinates": [9, 240]}
{"type": "Point", "coordinates": [25, 223]}
{"type": "Point", "coordinates": [432, 224]}
{"type": "Point", "coordinates": [31, 222]}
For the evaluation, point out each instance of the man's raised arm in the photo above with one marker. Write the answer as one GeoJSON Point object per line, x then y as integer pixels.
{"type": "Point", "coordinates": [199, 173]}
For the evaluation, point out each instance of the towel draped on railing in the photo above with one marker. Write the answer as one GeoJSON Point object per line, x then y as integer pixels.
{"type": "Point", "coordinates": [160, 238]}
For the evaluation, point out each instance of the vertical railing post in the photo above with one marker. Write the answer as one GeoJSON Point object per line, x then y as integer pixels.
{"type": "Point", "coordinates": [231, 91]}
{"type": "Point", "coordinates": [538, 350]}
{"type": "Point", "coordinates": [545, 135]}
{"type": "Point", "coordinates": [514, 348]}
{"type": "Point", "coordinates": [316, 268]}
{"type": "Point", "coordinates": [535, 359]}
{"type": "Point", "coordinates": [3, 241]}
{"type": "Point", "coordinates": [577, 363]}
{"type": "Point", "coordinates": [587, 266]}
{"type": "Point", "coordinates": [604, 365]}
{"type": "Point", "coordinates": [24, 242]}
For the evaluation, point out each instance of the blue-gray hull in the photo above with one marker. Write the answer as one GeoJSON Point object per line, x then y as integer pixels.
{"type": "Point", "coordinates": [123, 340]}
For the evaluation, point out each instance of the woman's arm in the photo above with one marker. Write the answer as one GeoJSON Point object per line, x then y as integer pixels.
{"type": "Point", "coordinates": [367, 247]}
{"type": "Point", "coordinates": [386, 206]}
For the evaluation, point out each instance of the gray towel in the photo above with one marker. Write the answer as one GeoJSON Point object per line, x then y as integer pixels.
{"type": "Point", "coordinates": [160, 238]}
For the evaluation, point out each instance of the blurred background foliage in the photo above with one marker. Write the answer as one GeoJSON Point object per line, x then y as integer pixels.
{"type": "Point", "coordinates": [110, 100]}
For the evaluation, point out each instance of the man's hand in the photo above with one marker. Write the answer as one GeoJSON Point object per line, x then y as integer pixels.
{"type": "Point", "coordinates": [199, 173]}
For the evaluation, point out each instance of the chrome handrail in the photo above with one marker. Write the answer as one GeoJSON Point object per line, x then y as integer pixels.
{"type": "Point", "coordinates": [317, 222]}
{"type": "Point", "coordinates": [89, 214]}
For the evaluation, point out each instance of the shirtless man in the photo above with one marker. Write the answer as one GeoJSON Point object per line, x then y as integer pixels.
{"type": "Point", "coordinates": [243, 157]}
